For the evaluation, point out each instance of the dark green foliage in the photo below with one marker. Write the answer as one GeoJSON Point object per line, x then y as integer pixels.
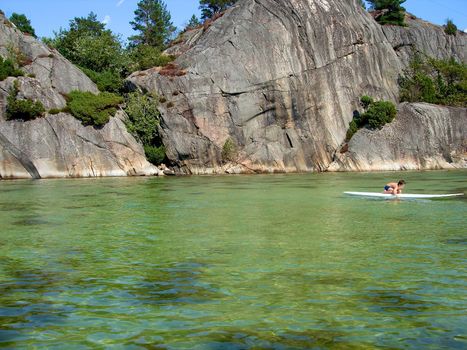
{"type": "Point", "coordinates": [375, 116]}
{"type": "Point", "coordinates": [22, 23]}
{"type": "Point", "coordinates": [209, 8]}
{"type": "Point", "coordinates": [23, 109]}
{"type": "Point", "coordinates": [193, 23]}
{"type": "Point", "coordinates": [93, 109]}
{"type": "Point", "coordinates": [8, 69]}
{"type": "Point", "coordinates": [366, 101]}
{"type": "Point", "coordinates": [145, 56]}
{"type": "Point", "coordinates": [229, 150]}
{"type": "Point", "coordinates": [391, 11]}
{"type": "Point", "coordinates": [353, 128]}
{"type": "Point", "coordinates": [362, 4]}
{"type": "Point", "coordinates": [54, 111]}
{"type": "Point", "coordinates": [153, 24]}
{"type": "Point", "coordinates": [378, 114]}
{"type": "Point", "coordinates": [106, 81]}
{"type": "Point", "coordinates": [154, 154]}
{"type": "Point", "coordinates": [143, 121]}
{"type": "Point", "coordinates": [450, 28]}
{"type": "Point", "coordinates": [435, 81]}
{"type": "Point", "coordinates": [143, 117]}
{"type": "Point", "coordinates": [88, 44]}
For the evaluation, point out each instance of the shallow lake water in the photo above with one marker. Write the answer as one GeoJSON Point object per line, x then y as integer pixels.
{"type": "Point", "coordinates": [233, 262]}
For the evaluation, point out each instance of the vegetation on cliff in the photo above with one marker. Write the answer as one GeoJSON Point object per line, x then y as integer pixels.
{"type": "Point", "coordinates": [8, 69]}
{"type": "Point", "coordinates": [388, 11]}
{"type": "Point", "coordinates": [93, 109]}
{"type": "Point", "coordinates": [210, 8]}
{"type": "Point", "coordinates": [435, 81]}
{"type": "Point", "coordinates": [22, 23]}
{"type": "Point", "coordinates": [143, 121]}
{"type": "Point", "coordinates": [376, 114]}
{"type": "Point", "coordinates": [450, 28]}
{"type": "Point", "coordinates": [22, 109]}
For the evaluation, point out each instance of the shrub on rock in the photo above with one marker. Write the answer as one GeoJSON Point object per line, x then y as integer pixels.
{"type": "Point", "coordinates": [93, 109]}
{"type": "Point", "coordinates": [22, 109]}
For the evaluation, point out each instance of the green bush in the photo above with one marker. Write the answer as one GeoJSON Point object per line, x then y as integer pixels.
{"type": "Point", "coordinates": [353, 128]}
{"type": "Point", "coordinates": [229, 150]}
{"type": "Point", "coordinates": [8, 69]}
{"type": "Point", "coordinates": [391, 11]}
{"type": "Point", "coordinates": [144, 57]}
{"type": "Point", "coordinates": [435, 81]}
{"type": "Point", "coordinates": [366, 101]}
{"type": "Point", "coordinates": [143, 117]}
{"type": "Point", "coordinates": [54, 111]}
{"type": "Point", "coordinates": [379, 113]}
{"type": "Point", "coordinates": [93, 109]}
{"type": "Point", "coordinates": [106, 81]}
{"type": "Point", "coordinates": [450, 28]}
{"type": "Point", "coordinates": [22, 23]}
{"type": "Point", "coordinates": [154, 154]}
{"type": "Point", "coordinates": [23, 109]}
{"type": "Point", "coordinates": [375, 116]}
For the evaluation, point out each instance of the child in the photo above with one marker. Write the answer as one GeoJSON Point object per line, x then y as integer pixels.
{"type": "Point", "coordinates": [394, 188]}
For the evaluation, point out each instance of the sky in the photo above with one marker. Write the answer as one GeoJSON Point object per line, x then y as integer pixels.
{"type": "Point", "coordinates": [48, 16]}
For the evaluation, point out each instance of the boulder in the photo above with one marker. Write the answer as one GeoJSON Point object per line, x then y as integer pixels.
{"type": "Point", "coordinates": [60, 146]}
{"type": "Point", "coordinates": [423, 137]}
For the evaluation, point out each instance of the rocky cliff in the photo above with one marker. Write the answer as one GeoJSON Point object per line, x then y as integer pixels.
{"type": "Point", "coordinates": [423, 136]}
{"type": "Point", "coordinates": [58, 145]}
{"type": "Point", "coordinates": [271, 86]}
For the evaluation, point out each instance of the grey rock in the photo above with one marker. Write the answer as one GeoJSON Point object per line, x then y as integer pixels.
{"type": "Point", "coordinates": [426, 38]}
{"type": "Point", "coordinates": [422, 137]}
{"type": "Point", "coordinates": [51, 69]}
{"type": "Point", "coordinates": [60, 146]}
{"type": "Point", "coordinates": [280, 79]}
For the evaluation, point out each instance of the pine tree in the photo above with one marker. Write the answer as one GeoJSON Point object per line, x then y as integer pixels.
{"type": "Point", "coordinates": [193, 22]}
{"type": "Point", "coordinates": [392, 11]}
{"type": "Point", "coordinates": [22, 23]}
{"type": "Point", "coordinates": [153, 22]}
{"type": "Point", "coordinates": [450, 28]}
{"type": "Point", "coordinates": [211, 7]}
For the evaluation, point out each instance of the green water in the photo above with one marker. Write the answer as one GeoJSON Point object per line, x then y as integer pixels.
{"type": "Point", "coordinates": [234, 262]}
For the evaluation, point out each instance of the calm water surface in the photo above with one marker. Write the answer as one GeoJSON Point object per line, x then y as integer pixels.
{"type": "Point", "coordinates": [238, 262]}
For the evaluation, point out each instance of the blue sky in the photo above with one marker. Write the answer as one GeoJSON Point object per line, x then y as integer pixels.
{"type": "Point", "coordinates": [48, 16]}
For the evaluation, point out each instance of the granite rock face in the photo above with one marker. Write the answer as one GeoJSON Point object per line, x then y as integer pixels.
{"type": "Point", "coordinates": [58, 145]}
{"type": "Point", "coordinates": [425, 38]}
{"type": "Point", "coordinates": [278, 81]}
{"type": "Point", "coordinates": [423, 136]}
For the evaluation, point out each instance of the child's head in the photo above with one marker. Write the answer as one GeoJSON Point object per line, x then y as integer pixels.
{"type": "Point", "coordinates": [401, 183]}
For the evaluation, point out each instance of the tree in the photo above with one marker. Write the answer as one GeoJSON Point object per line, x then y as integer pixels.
{"type": "Point", "coordinates": [193, 23]}
{"type": "Point", "coordinates": [211, 7]}
{"type": "Point", "coordinates": [153, 22]}
{"type": "Point", "coordinates": [22, 23]}
{"type": "Point", "coordinates": [450, 28]}
{"type": "Point", "coordinates": [88, 44]}
{"type": "Point", "coordinates": [362, 4]}
{"type": "Point", "coordinates": [389, 11]}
